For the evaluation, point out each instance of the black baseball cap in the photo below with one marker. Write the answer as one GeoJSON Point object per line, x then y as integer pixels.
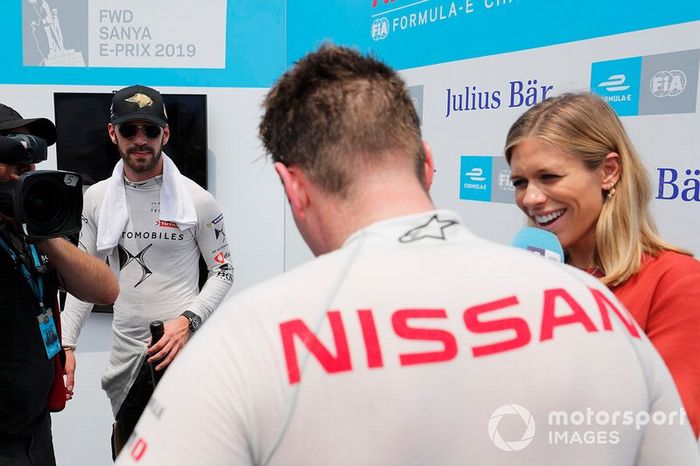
{"type": "Point", "coordinates": [41, 127]}
{"type": "Point", "coordinates": [138, 103]}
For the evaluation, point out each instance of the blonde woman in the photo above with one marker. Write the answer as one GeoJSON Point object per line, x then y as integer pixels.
{"type": "Point", "coordinates": [577, 175]}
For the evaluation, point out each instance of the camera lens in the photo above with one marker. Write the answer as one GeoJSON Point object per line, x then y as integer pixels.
{"type": "Point", "coordinates": [46, 203]}
{"type": "Point", "coordinates": [41, 203]}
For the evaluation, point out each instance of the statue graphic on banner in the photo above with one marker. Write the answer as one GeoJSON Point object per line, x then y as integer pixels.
{"type": "Point", "coordinates": [48, 22]}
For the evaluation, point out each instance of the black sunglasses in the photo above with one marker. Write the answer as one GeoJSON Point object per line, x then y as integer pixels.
{"type": "Point", "coordinates": [129, 131]}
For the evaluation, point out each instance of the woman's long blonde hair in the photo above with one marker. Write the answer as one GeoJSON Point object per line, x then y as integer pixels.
{"type": "Point", "coordinates": [584, 125]}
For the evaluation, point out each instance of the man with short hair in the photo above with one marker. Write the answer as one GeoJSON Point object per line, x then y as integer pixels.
{"type": "Point", "coordinates": [152, 224]}
{"type": "Point", "coordinates": [30, 273]}
{"type": "Point", "coordinates": [408, 340]}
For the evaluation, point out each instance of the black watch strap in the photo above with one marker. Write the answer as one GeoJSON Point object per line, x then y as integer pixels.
{"type": "Point", "coordinates": [195, 320]}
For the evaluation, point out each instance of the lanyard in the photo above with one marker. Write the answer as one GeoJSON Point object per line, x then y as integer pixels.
{"type": "Point", "coordinates": [38, 287]}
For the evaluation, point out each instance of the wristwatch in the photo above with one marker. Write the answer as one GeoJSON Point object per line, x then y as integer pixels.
{"type": "Point", "coordinates": [195, 320]}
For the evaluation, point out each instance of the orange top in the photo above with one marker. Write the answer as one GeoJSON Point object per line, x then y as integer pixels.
{"type": "Point", "coordinates": [664, 298]}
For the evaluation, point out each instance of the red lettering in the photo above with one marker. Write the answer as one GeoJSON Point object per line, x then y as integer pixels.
{"type": "Point", "coordinates": [549, 320]}
{"type": "Point", "coordinates": [139, 449]}
{"type": "Point", "coordinates": [374, 2]}
{"type": "Point", "coordinates": [369, 333]}
{"type": "Point", "coordinates": [519, 326]}
{"type": "Point", "coordinates": [399, 320]}
{"type": "Point", "coordinates": [604, 305]}
{"type": "Point", "coordinates": [339, 363]}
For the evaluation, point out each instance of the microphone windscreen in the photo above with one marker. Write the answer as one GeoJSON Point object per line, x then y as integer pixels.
{"type": "Point", "coordinates": [539, 241]}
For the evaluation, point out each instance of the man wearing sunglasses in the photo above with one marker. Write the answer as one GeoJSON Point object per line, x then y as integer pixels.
{"type": "Point", "coordinates": [30, 275]}
{"type": "Point", "coordinates": [152, 224]}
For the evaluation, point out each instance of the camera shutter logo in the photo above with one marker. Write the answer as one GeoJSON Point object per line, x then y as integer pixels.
{"type": "Point", "coordinates": [668, 83]}
{"type": "Point", "coordinates": [510, 410]}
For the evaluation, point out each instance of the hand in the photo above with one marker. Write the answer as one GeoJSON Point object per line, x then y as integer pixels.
{"type": "Point", "coordinates": [69, 372]}
{"type": "Point", "coordinates": [176, 332]}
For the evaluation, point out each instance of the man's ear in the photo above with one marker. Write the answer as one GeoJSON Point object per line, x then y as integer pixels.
{"type": "Point", "coordinates": [428, 166]}
{"type": "Point", "coordinates": [166, 134]}
{"type": "Point", "coordinates": [112, 131]}
{"type": "Point", "coordinates": [296, 187]}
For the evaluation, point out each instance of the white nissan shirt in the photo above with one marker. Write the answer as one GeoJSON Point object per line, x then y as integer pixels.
{"type": "Point", "coordinates": [417, 343]}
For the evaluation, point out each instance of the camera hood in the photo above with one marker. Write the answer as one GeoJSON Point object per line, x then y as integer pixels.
{"type": "Point", "coordinates": [22, 149]}
{"type": "Point", "coordinates": [44, 203]}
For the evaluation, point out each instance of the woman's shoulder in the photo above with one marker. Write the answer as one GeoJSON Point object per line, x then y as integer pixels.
{"type": "Point", "coordinates": [671, 265]}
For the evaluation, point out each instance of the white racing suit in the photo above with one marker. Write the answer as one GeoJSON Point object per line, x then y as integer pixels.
{"type": "Point", "coordinates": [158, 269]}
{"type": "Point", "coordinates": [417, 343]}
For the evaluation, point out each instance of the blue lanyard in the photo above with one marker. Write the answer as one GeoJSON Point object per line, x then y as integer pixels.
{"type": "Point", "coordinates": [38, 287]}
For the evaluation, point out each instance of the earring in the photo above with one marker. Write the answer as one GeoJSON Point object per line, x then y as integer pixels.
{"type": "Point", "coordinates": [609, 192]}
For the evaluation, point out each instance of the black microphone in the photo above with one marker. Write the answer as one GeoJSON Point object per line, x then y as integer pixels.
{"type": "Point", "coordinates": [157, 331]}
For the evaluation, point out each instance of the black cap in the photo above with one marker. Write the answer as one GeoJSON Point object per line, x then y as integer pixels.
{"type": "Point", "coordinates": [138, 103]}
{"type": "Point", "coordinates": [41, 127]}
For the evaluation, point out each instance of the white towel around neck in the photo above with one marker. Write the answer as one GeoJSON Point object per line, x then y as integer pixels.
{"type": "Point", "coordinates": [176, 204]}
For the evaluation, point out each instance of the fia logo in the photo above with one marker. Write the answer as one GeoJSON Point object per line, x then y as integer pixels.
{"type": "Point", "coordinates": [668, 83]}
{"type": "Point", "coordinates": [504, 181]}
{"type": "Point", "coordinates": [614, 83]}
{"type": "Point", "coordinates": [380, 29]}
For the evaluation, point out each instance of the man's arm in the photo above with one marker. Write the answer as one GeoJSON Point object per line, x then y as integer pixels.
{"type": "Point", "coordinates": [83, 275]}
{"type": "Point", "coordinates": [77, 311]}
{"type": "Point", "coordinates": [213, 245]}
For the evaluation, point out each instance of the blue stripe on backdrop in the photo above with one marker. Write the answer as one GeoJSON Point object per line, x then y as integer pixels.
{"type": "Point", "coordinates": [413, 33]}
{"type": "Point", "coordinates": [265, 36]}
{"type": "Point", "coordinates": [255, 53]}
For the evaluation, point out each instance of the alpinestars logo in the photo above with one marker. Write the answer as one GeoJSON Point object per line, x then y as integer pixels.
{"type": "Point", "coordinates": [434, 228]}
{"type": "Point", "coordinates": [220, 232]}
{"type": "Point", "coordinates": [126, 257]}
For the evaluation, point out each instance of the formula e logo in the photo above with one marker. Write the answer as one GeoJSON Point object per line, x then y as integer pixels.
{"type": "Point", "coordinates": [475, 174]}
{"type": "Point", "coordinates": [485, 178]}
{"type": "Point", "coordinates": [380, 29]}
{"type": "Point", "coordinates": [511, 410]}
{"type": "Point", "coordinates": [668, 83]}
{"type": "Point", "coordinates": [475, 179]}
{"type": "Point", "coordinates": [614, 83]}
{"type": "Point", "coordinates": [125, 258]}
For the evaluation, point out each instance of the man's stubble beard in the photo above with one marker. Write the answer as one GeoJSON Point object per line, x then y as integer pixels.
{"type": "Point", "coordinates": [149, 164]}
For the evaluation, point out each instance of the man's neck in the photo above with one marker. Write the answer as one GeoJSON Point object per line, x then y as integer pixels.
{"type": "Point", "coordinates": [378, 200]}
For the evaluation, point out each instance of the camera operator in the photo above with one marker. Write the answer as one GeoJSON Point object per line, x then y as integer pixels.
{"type": "Point", "coordinates": [31, 271]}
